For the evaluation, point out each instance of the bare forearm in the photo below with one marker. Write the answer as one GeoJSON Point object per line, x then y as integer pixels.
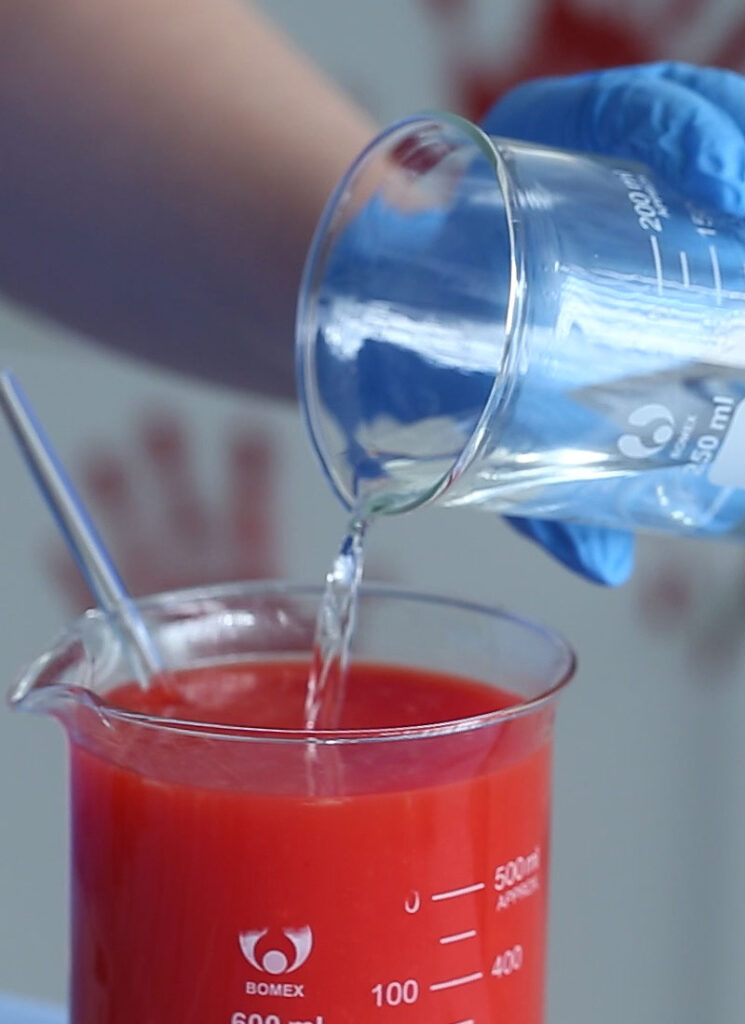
{"type": "Point", "coordinates": [162, 165]}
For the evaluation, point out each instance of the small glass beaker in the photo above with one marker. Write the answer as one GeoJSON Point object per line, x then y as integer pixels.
{"type": "Point", "coordinates": [228, 866]}
{"type": "Point", "coordinates": [533, 331]}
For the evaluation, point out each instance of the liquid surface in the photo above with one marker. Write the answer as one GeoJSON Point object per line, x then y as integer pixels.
{"type": "Point", "coordinates": [216, 879]}
{"type": "Point", "coordinates": [271, 695]}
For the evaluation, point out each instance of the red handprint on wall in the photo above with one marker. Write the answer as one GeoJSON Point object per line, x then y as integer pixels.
{"type": "Point", "coordinates": [570, 35]}
{"type": "Point", "coordinates": [694, 595]}
{"type": "Point", "coordinates": [167, 524]}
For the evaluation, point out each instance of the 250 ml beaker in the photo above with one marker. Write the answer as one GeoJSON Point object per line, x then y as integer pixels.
{"type": "Point", "coordinates": [539, 332]}
{"type": "Point", "coordinates": [228, 866]}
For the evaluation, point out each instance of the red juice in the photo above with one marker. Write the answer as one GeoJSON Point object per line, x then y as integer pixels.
{"type": "Point", "coordinates": [225, 878]}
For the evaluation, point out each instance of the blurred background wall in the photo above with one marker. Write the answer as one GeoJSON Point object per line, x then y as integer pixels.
{"type": "Point", "coordinates": [192, 484]}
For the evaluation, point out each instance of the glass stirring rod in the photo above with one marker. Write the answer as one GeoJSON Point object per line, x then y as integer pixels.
{"type": "Point", "coordinates": [80, 534]}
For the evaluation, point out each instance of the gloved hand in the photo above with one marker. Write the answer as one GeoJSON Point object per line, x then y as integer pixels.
{"type": "Point", "coordinates": [688, 125]}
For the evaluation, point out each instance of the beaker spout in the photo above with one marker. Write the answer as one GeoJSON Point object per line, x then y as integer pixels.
{"type": "Point", "coordinates": [64, 677]}
{"type": "Point", "coordinates": [53, 679]}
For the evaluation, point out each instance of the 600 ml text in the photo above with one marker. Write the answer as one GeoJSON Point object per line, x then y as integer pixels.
{"type": "Point", "coordinates": [269, 1018]}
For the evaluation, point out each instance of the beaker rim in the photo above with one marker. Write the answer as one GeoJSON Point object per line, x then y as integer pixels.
{"type": "Point", "coordinates": [556, 675]}
{"type": "Point", "coordinates": [500, 389]}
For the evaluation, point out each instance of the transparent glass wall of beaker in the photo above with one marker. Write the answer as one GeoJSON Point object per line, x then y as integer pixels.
{"type": "Point", "coordinates": [533, 331]}
{"type": "Point", "coordinates": [393, 870]}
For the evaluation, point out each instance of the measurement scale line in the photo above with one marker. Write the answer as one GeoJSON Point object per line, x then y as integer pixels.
{"type": "Point", "coordinates": [714, 257]}
{"type": "Point", "coordinates": [657, 261]}
{"type": "Point", "coordinates": [452, 893]}
{"type": "Point", "coordinates": [457, 938]}
{"type": "Point", "coordinates": [684, 270]}
{"type": "Point", "coordinates": [454, 982]}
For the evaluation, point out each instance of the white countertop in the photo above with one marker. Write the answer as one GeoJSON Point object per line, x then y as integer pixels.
{"type": "Point", "coordinates": [16, 1010]}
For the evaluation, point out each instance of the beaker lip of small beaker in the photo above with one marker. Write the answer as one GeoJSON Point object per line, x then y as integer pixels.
{"type": "Point", "coordinates": [78, 669]}
{"type": "Point", "coordinates": [352, 462]}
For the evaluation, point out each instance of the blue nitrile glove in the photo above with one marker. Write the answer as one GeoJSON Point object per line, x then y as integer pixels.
{"type": "Point", "coordinates": [688, 125]}
{"type": "Point", "coordinates": [679, 120]}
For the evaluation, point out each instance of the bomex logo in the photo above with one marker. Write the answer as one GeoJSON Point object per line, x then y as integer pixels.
{"type": "Point", "coordinates": [275, 961]}
{"type": "Point", "coordinates": [656, 428]}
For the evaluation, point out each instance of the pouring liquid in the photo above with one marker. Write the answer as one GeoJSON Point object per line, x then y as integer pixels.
{"type": "Point", "coordinates": [334, 631]}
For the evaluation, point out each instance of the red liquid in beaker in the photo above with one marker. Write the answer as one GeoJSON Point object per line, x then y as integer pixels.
{"type": "Point", "coordinates": [224, 880]}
